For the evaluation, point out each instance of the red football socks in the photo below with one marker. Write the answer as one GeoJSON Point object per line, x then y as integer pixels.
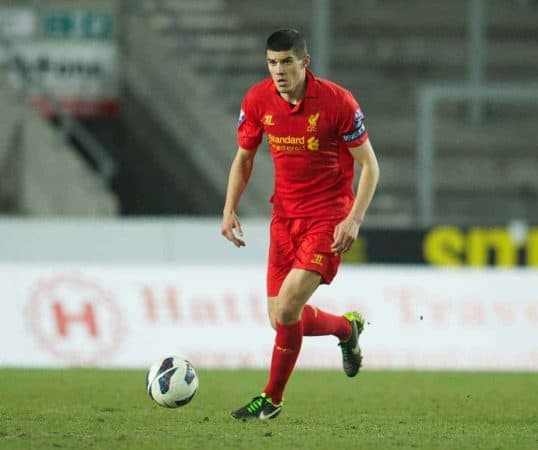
{"type": "Point", "coordinates": [285, 351]}
{"type": "Point", "coordinates": [320, 323]}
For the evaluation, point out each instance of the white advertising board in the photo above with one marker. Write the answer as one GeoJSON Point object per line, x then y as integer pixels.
{"type": "Point", "coordinates": [61, 315]}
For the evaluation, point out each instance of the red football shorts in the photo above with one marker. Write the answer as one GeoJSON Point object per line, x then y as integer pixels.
{"type": "Point", "coordinates": [303, 243]}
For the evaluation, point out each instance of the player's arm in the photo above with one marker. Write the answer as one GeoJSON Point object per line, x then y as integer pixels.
{"type": "Point", "coordinates": [346, 232]}
{"type": "Point", "coordinates": [239, 175]}
{"type": "Point", "coordinates": [364, 155]}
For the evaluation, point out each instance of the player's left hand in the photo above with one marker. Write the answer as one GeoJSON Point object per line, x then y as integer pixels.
{"type": "Point", "coordinates": [231, 225]}
{"type": "Point", "coordinates": [345, 234]}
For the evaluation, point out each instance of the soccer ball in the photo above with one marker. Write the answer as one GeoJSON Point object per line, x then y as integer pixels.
{"type": "Point", "coordinates": [171, 382]}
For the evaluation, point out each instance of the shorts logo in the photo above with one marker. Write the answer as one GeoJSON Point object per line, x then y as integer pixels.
{"type": "Point", "coordinates": [268, 120]}
{"type": "Point", "coordinates": [312, 123]}
{"type": "Point", "coordinates": [313, 144]}
{"type": "Point", "coordinates": [317, 259]}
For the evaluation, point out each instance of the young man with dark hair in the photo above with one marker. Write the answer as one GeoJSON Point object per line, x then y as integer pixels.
{"type": "Point", "coordinates": [316, 133]}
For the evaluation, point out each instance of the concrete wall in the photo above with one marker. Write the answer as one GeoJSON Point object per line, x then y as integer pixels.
{"type": "Point", "coordinates": [128, 240]}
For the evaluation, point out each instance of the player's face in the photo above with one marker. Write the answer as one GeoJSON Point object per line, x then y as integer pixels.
{"type": "Point", "coordinates": [287, 71]}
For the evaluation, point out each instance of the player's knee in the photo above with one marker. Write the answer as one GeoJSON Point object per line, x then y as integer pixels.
{"type": "Point", "coordinates": [287, 316]}
{"type": "Point", "coordinates": [288, 312]}
{"type": "Point", "coordinates": [289, 304]}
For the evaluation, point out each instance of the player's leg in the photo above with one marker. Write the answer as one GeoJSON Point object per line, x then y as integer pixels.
{"type": "Point", "coordinates": [297, 288]}
{"type": "Point", "coordinates": [316, 322]}
{"type": "Point", "coordinates": [286, 309]}
{"type": "Point", "coordinates": [280, 261]}
{"type": "Point", "coordinates": [314, 253]}
{"type": "Point", "coordinates": [346, 328]}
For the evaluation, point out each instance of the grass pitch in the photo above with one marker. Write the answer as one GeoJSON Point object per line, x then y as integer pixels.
{"type": "Point", "coordinates": [98, 409]}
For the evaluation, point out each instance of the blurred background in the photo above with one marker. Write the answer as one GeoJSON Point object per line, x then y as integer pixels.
{"type": "Point", "coordinates": [117, 130]}
{"type": "Point", "coordinates": [141, 98]}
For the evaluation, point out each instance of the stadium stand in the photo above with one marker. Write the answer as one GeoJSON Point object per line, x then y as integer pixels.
{"type": "Point", "coordinates": [155, 175]}
{"type": "Point", "coordinates": [383, 51]}
{"type": "Point", "coordinates": [182, 99]}
{"type": "Point", "coordinates": [41, 174]}
{"type": "Point", "coordinates": [186, 65]}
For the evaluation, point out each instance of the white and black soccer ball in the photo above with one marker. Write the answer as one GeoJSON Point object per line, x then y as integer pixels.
{"type": "Point", "coordinates": [171, 382]}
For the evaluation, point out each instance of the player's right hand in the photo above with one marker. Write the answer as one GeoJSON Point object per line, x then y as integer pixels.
{"type": "Point", "coordinates": [231, 225]}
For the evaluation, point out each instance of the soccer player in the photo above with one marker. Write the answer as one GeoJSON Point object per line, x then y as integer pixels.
{"type": "Point", "coordinates": [316, 132]}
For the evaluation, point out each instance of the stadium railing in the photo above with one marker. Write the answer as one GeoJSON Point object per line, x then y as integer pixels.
{"type": "Point", "coordinates": [429, 97]}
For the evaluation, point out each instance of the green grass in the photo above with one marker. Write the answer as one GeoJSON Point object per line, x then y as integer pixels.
{"type": "Point", "coordinates": [98, 409]}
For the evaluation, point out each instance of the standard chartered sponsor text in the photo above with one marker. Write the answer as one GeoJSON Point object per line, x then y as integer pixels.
{"type": "Point", "coordinates": [286, 143]}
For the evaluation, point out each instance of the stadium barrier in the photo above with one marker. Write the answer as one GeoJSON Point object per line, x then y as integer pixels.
{"type": "Point", "coordinates": [198, 240]}
{"type": "Point", "coordinates": [128, 315]}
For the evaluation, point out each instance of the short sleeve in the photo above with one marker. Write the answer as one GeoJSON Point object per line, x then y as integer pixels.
{"type": "Point", "coordinates": [249, 128]}
{"type": "Point", "coordinates": [352, 128]}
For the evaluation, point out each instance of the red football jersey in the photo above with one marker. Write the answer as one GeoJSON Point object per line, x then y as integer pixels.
{"type": "Point", "coordinates": [309, 145]}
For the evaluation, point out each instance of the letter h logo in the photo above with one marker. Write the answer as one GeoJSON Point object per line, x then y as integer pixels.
{"type": "Point", "coordinates": [86, 317]}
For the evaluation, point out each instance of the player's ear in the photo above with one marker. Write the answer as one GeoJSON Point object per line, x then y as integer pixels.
{"type": "Point", "coordinates": [306, 60]}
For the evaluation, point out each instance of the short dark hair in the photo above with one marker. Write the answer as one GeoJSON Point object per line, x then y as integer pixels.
{"type": "Point", "coordinates": [287, 39]}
